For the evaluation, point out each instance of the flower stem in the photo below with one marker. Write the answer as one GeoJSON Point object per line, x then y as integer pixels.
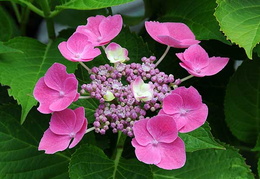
{"type": "Point", "coordinates": [104, 48]}
{"type": "Point", "coordinates": [84, 97]}
{"type": "Point", "coordinates": [163, 55]}
{"type": "Point", "coordinates": [186, 78]}
{"type": "Point", "coordinates": [16, 11]}
{"type": "Point", "coordinates": [49, 21]}
{"type": "Point", "coordinates": [85, 66]}
{"type": "Point", "coordinates": [33, 8]}
{"type": "Point", "coordinates": [90, 129]}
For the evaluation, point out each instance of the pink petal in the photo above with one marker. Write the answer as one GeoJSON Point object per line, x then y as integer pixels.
{"type": "Point", "coordinates": [44, 95]}
{"type": "Point", "coordinates": [162, 128]}
{"type": "Point", "coordinates": [173, 155]}
{"type": "Point", "coordinates": [216, 64]}
{"type": "Point", "coordinates": [77, 42]}
{"type": "Point", "coordinates": [79, 135]}
{"type": "Point", "coordinates": [179, 31]}
{"type": "Point", "coordinates": [89, 53]}
{"type": "Point", "coordinates": [56, 75]}
{"type": "Point", "coordinates": [172, 103]}
{"type": "Point", "coordinates": [63, 122]}
{"type": "Point", "coordinates": [52, 143]}
{"type": "Point", "coordinates": [142, 135]}
{"type": "Point", "coordinates": [187, 66]}
{"type": "Point", "coordinates": [188, 42]}
{"type": "Point", "coordinates": [110, 27]}
{"type": "Point", "coordinates": [195, 119]}
{"type": "Point", "coordinates": [148, 154]}
{"type": "Point", "coordinates": [65, 52]}
{"type": "Point", "coordinates": [80, 119]}
{"type": "Point", "coordinates": [156, 29]}
{"type": "Point", "coordinates": [167, 40]}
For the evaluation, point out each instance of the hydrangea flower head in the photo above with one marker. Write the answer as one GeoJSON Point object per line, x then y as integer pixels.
{"type": "Point", "coordinates": [186, 107]}
{"type": "Point", "coordinates": [78, 48]}
{"type": "Point", "coordinates": [142, 91]}
{"type": "Point", "coordinates": [115, 53]}
{"type": "Point", "coordinates": [197, 62]}
{"type": "Point", "coordinates": [56, 90]}
{"type": "Point", "coordinates": [66, 129]}
{"type": "Point", "coordinates": [100, 29]}
{"type": "Point", "coordinates": [176, 35]}
{"type": "Point", "coordinates": [156, 142]}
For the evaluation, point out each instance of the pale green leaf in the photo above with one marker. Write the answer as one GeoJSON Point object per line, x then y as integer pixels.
{"type": "Point", "coordinates": [242, 107]}
{"type": "Point", "coordinates": [209, 164]}
{"type": "Point", "coordinates": [91, 162]}
{"type": "Point", "coordinates": [21, 71]}
{"type": "Point", "coordinates": [240, 22]}
{"type": "Point", "coordinates": [91, 4]}
{"type": "Point", "coordinates": [199, 139]}
{"type": "Point", "coordinates": [6, 49]}
{"type": "Point", "coordinates": [19, 155]}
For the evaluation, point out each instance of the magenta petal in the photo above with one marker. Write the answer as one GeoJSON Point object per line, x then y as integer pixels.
{"type": "Point", "coordinates": [216, 64]}
{"type": "Point", "coordinates": [167, 40]}
{"type": "Point", "coordinates": [149, 154]}
{"type": "Point", "coordinates": [77, 42]}
{"type": "Point", "coordinates": [188, 42]}
{"type": "Point", "coordinates": [162, 128]}
{"type": "Point", "coordinates": [65, 52]}
{"type": "Point", "coordinates": [79, 135]}
{"type": "Point", "coordinates": [173, 155]}
{"type": "Point", "coordinates": [155, 29]}
{"type": "Point", "coordinates": [179, 31]}
{"type": "Point", "coordinates": [142, 135]}
{"type": "Point", "coordinates": [172, 103]}
{"type": "Point", "coordinates": [195, 119]}
{"type": "Point", "coordinates": [52, 143]}
{"type": "Point", "coordinates": [92, 27]}
{"type": "Point", "coordinates": [80, 119]}
{"type": "Point", "coordinates": [63, 122]}
{"type": "Point", "coordinates": [190, 69]}
{"type": "Point", "coordinates": [89, 53]}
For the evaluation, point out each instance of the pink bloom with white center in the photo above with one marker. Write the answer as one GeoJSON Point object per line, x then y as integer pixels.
{"type": "Point", "coordinates": [78, 49]}
{"type": "Point", "coordinates": [142, 91]}
{"type": "Point", "coordinates": [100, 29]}
{"type": "Point", "coordinates": [115, 53]}
{"type": "Point", "coordinates": [156, 142]}
{"type": "Point", "coordinates": [66, 129]}
{"type": "Point", "coordinates": [56, 90]}
{"type": "Point", "coordinates": [186, 107]}
{"type": "Point", "coordinates": [173, 34]}
{"type": "Point", "coordinates": [197, 62]}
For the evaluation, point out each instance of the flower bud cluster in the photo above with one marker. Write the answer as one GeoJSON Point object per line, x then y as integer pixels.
{"type": "Point", "coordinates": [121, 112]}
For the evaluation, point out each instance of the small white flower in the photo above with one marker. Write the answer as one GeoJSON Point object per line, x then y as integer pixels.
{"type": "Point", "coordinates": [109, 96]}
{"type": "Point", "coordinates": [115, 53]}
{"type": "Point", "coordinates": [142, 91]}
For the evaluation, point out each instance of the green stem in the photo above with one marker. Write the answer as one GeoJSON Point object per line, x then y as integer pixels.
{"type": "Point", "coordinates": [33, 8]}
{"type": "Point", "coordinates": [186, 78]}
{"type": "Point", "coordinates": [16, 11]}
{"type": "Point", "coordinates": [163, 55]}
{"type": "Point", "coordinates": [24, 19]}
{"type": "Point", "coordinates": [49, 21]}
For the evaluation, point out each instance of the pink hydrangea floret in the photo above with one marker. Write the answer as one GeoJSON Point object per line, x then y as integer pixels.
{"type": "Point", "coordinates": [78, 49]}
{"type": "Point", "coordinates": [173, 34]}
{"type": "Point", "coordinates": [197, 62]}
{"type": "Point", "coordinates": [116, 54]}
{"type": "Point", "coordinates": [186, 107]}
{"type": "Point", "coordinates": [156, 142]}
{"type": "Point", "coordinates": [66, 129]}
{"type": "Point", "coordinates": [100, 29]}
{"type": "Point", "coordinates": [142, 91]}
{"type": "Point", "coordinates": [56, 90]}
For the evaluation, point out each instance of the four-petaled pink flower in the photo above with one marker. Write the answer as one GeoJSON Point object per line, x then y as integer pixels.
{"type": "Point", "coordinates": [197, 62]}
{"type": "Point", "coordinates": [142, 91]}
{"type": "Point", "coordinates": [156, 142]}
{"type": "Point", "coordinates": [56, 90]}
{"type": "Point", "coordinates": [78, 49]}
{"type": "Point", "coordinates": [186, 107]}
{"type": "Point", "coordinates": [100, 29]}
{"type": "Point", "coordinates": [176, 35]}
{"type": "Point", "coordinates": [66, 129]}
{"type": "Point", "coordinates": [115, 53]}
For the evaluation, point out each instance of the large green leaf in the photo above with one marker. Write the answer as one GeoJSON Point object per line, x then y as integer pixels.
{"type": "Point", "coordinates": [199, 139]}
{"type": "Point", "coordinates": [209, 164]}
{"type": "Point", "coordinates": [242, 107]}
{"type": "Point", "coordinates": [91, 162]}
{"type": "Point", "coordinates": [240, 22]}
{"type": "Point", "coordinates": [21, 71]}
{"type": "Point", "coordinates": [19, 156]}
{"type": "Point", "coordinates": [197, 14]}
{"type": "Point", "coordinates": [8, 28]}
{"type": "Point", "coordinates": [6, 49]}
{"type": "Point", "coordinates": [91, 4]}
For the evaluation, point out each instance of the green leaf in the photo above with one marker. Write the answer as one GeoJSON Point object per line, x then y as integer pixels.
{"type": "Point", "coordinates": [8, 28]}
{"type": "Point", "coordinates": [258, 167]}
{"type": "Point", "coordinates": [257, 146]}
{"type": "Point", "coordinates": [91, 162]}
{"type": "Point", "coordinates": [199, 139]}
{"type": "Point", "coordinates": [19, 155]}
{"type": "Point", "coordinates": [242, 107]}
{"type": "Point", "coordinates": [21, 71]}
{"type": "Point", "coordinates": [6, 49]}
{"type": "Point", "coordinates": [209, 164]}
{"type": "Point", "coordinates": [240, 22]}
{"type": "Point", "coordinates": [91, 4]}
{"type": "Point", "coordinates": [198, 15]}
